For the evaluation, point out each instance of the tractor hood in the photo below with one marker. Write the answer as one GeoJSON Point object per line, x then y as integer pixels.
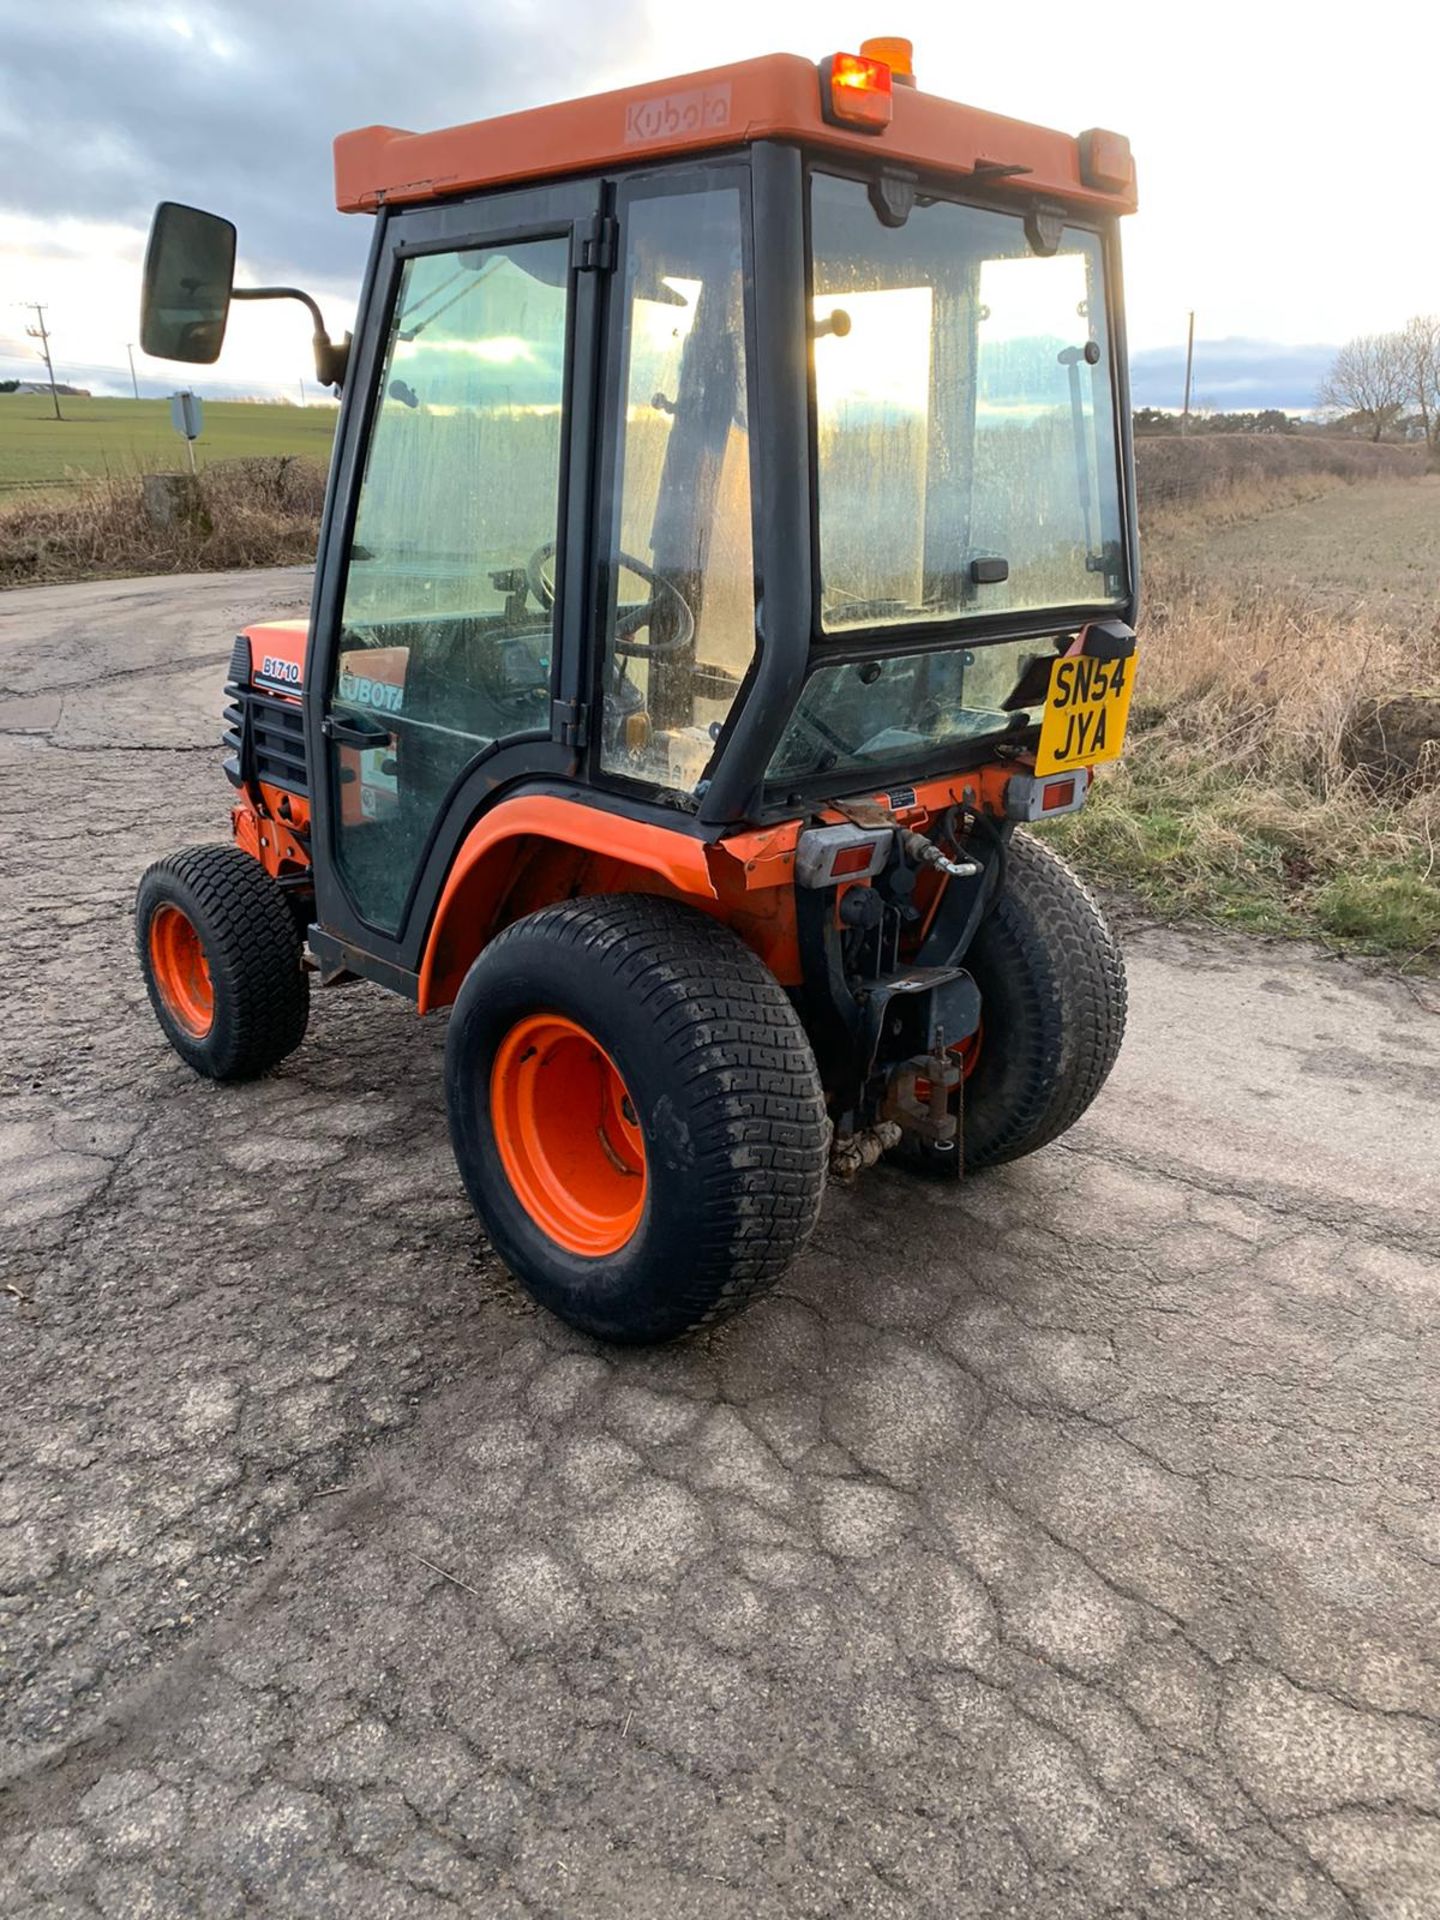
{"type": "Point", "coordinates": [276, 654]}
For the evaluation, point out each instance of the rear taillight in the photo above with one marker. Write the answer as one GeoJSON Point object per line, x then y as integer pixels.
{"type": "Point", "coordinates": [850, 861]}
{"type": "Point", "coordinates": [1027, 798]}
{"type": "Point", "coordinates": [824, 855]}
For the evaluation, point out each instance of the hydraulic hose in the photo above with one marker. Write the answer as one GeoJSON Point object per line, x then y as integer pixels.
{"type": "Point", "coordinates": [991, 885]}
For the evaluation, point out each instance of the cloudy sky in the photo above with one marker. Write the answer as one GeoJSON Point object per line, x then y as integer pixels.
{"type": "Point", "coordinates": [1288, 180]}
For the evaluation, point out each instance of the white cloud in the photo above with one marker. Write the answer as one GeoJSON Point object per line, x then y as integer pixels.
{"type": "Point", "coordinates": [1287, 171]}
{"type": "Point", "coordinates": [88, 275]}
{"type": "Point", "coordinates": [1286, 193]}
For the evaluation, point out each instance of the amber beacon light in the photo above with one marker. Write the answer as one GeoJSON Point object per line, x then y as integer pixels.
{"type": "Point", "coordinates": [897, 54]}
{"type": "Point", "coordinates": [856, 91]}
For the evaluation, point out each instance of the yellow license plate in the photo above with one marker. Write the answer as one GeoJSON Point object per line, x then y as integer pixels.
{"type": "Point", "coordinates": [1086, 711]}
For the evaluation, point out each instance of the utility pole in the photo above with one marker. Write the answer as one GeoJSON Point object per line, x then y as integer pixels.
{"type": "Point", "coordinates": [39, 332]}
{"type": "Point", "coordinates": [1189, 370]}
{"type": "Point", "coordinates": [133, 381]}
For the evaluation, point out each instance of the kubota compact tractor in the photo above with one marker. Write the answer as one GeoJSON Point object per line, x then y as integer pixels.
{"type": "Point", "coordinates": [730, 543]}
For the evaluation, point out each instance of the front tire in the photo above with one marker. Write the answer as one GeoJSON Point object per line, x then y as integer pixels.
{"type": "Point", "coordinates": [636, 1114]}
{"type": "Point", "coordinates": [221, 958]}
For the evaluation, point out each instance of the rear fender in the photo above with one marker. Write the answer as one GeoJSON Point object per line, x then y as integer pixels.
{"type": "Point", "coordinates": [538, 848]}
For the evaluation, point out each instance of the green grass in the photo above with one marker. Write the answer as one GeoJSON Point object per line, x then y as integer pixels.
{"type": "Point", "coordinates": [1196, 844]}
{"type": "Point", "coordinates": [39, 453]}
{"type": "Point", "coordinates": [1238, 801]}
{"type": "Point", "coordinates": [1393, 909]}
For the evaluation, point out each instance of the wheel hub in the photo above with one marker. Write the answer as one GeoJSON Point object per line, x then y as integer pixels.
{"type": "Point", "coordinates": [568, 1135]}
{"type": "Point", "coordinates": [181, 972]}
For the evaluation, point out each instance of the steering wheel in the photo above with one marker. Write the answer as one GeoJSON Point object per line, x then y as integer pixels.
{"type": "Point", "coordinates": [628, 620]}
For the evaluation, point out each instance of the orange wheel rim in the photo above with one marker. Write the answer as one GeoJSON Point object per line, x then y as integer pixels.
{"type": "Point", "coordinates": [568, 1135]}
{"type": "Point", "coordinates": [180, 971]}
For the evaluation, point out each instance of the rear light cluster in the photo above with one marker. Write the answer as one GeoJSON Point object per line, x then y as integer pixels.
{"type": "Point", "coordinates": [850, 861]}
{"type": "Point", "coordinates": [824, 855]}
{"type": "Point", "coordinates": [1029, 798]}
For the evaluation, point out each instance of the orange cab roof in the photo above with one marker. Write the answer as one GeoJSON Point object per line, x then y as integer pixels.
{"type": "Point", "coordinates": [775, 98]}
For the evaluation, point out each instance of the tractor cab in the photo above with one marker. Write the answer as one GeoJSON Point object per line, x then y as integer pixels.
{"type": "Point", "coordinates": [732, 505]}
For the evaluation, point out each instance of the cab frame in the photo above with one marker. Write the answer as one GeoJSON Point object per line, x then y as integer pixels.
{"type": "Point", "coordinates": [591, 211]}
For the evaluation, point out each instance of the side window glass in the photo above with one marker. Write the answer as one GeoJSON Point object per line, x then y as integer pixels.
{"type": "Point", "coordinates": [447, 624]}
{"type": "Point", "coordinates": [680, 618]}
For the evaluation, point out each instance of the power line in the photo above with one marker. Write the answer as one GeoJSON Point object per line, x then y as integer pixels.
{"type": "Point", "coordinates": [80, 368]}
{"type": "Point", "coordinates": [41, 333]}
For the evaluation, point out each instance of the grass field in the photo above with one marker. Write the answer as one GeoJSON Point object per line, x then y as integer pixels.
{"type": "Point", "coordinates": [1260, 635]}
{"type": "Point", "coordinates": [1284, 584]}
{"type": "Point", "coordinates": [100, 438]}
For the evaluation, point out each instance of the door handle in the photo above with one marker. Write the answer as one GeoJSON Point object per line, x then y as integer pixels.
{"type": "Point", "coordinates": [355, 731]}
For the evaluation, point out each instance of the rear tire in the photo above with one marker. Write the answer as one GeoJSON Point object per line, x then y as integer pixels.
{"type": "Point", "coordinates": [636, 1114]}
{"type": "Point", "coordinates": [221, 958]}
{"type": "Point", "coordinates": [1053, 1000]}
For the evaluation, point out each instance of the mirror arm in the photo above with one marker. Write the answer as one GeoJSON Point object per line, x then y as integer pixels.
{"type": "Point", "coordinates": [330, 360]}
{"type": "Point", "coordinates": [282, 293]}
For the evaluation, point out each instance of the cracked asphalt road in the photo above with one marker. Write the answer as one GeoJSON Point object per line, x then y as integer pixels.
{"type": "Point", "coordinates": [1063, 1544]}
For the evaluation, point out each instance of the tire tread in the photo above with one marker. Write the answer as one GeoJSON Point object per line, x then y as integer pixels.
{"type": "Point", "coordinates": [253, 951]}
{"type": "Point", "coordinates": [1067, 965]}
{"type": "Point", "coordinates": [734, 1044]}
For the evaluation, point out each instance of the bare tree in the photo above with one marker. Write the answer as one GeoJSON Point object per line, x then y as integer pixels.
{"type": "Point", "coordinates": [1420, 355]}
{"type": "Point", "coordinates": [1370, 375]}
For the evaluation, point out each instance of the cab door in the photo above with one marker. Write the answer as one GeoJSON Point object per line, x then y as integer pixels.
{"type": "Point", "coordinates": [451, 593]}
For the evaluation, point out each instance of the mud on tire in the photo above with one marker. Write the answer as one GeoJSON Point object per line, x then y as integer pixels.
{"type": "Point", "coordinates": [714, 1082]}
{"type": "Point", "coordinates": [221, 957]}
{"type": "Point", "coordinates": [1053, 994]}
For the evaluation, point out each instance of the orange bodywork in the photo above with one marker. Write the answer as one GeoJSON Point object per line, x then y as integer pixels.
{"type": "Point", "coordinates": [775, 98]}
{"type": "Point", "coordinates": [277, 832]}
{"type": "Point", "coordinates": [279, 838]}
{"type": "Point", "coordinates": [277, 654]}
{"type": "Point", "coordinates": [537, 848]}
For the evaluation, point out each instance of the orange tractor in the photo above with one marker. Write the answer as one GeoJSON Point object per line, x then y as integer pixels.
{"type": "Point", "coordinates": [730, 544]}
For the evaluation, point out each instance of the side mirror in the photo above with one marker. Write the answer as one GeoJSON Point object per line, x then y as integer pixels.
{"type": "Point", "coordinates": [189, 272]}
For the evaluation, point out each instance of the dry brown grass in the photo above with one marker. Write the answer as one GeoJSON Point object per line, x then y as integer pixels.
{"type": "Point", "coordinates": [1265, 682]}
{"type": "Point", "coordinates": [1272, 468]}
{"type": "Point", "coordinates": [258, 513]}
{"type": "Point", "coordinates": [1235, 800]}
